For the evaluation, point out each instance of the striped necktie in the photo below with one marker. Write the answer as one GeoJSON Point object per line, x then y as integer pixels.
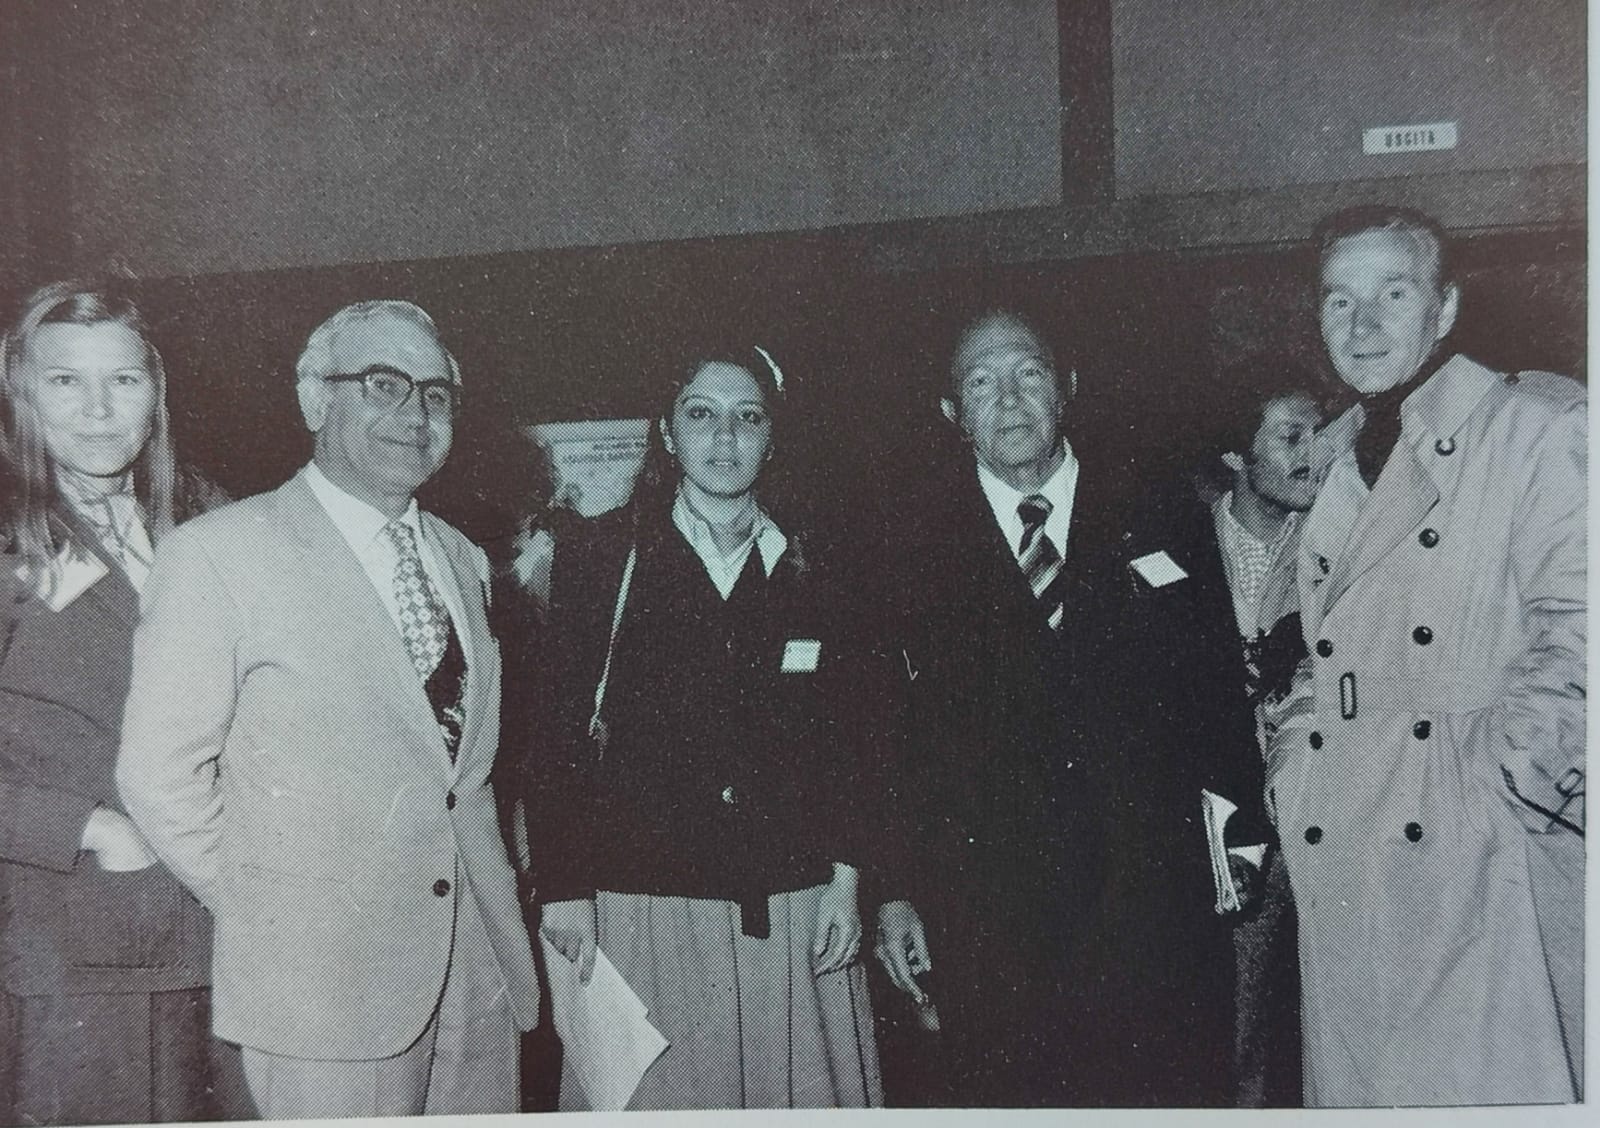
{"type": "Point", "coordinates": [1038, 556]}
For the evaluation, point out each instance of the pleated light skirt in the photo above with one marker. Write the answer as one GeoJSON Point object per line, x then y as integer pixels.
{"type": "Point", "coordinates": [749, 1024]}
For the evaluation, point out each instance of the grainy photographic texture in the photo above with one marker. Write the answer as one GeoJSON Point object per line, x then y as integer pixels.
{"type": "Point", "coordinates": [835, 554]}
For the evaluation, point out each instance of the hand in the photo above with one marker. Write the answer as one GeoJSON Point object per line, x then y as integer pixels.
{"type": "Point", "coordinates": [838, 932]}
{"type": "Point", "coordinates": [902, 947]}
{"type": "Point", "coordinates": [570, 928]}
{"type": "Point", "coordinates": [116, 843]}
{"type": "Point", "coordinates": [1247, 881]}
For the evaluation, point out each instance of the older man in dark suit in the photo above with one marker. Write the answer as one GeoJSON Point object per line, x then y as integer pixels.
{"type": "Point", "coordinates": [1067, 710]}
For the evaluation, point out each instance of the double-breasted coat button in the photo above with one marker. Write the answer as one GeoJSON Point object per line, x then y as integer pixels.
{"type": "Point", "coordinates": [1428, 537]}
{"type": "Point", "coordinates": [441, 887]}
{"type": "Point", "coordinates": [1322, 562]}
{"type": "Point", "coordinates": [1325, 648]}
{"type": "Point", "coordinates": [1315, 740]}
{"type": "Point", "coordinates": [1422, 636]}
{"type": "Point", "coordinates": [1313, 834]}
{"type": "Point", "coordinates": [1445, 446]}
{"type": "Point", "coordinates": [450, 801]}
{"type": "Point", "coordinates": [1512, 378]}
{"type": "Point", "coordinates": [1421, 729]}
{"type": "Point", "coordinates": [727, 794]}
{"type": "Point", "coordinates": [1414, 831]}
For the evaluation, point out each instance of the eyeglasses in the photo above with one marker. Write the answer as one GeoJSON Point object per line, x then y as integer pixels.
{"type": "Point", "coordinates": [391, 390]}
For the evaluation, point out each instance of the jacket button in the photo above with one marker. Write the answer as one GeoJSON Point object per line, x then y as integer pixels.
{"type": "Point", "coordinates": [1324, 648]}
{"type": "Point", "coordinates": [1322, 562]}
{"type": "Point", "coordinates": [1421, 729]}
{"type": "Point", "coordinates": [450, 801]}
{"type": "Point", "coordinates": [1428, 537]}
{"type": "Point", "coordinates": [1315, 740]}
{"type": "Point", "coordinates": [1414, 831]}
{"type": "Point", "coordinates": [441, 887]}
{"type": "Point", "coordinates": [1445, 446]}
{"type": "Point", "coordinates": [1422, 636]}
{"type": "Point", "coordinates": [727, 794]}
{"type": "Point", "coordinates": [1513, 379]}
{"type": "Point", "coordinates": [1313, 834]}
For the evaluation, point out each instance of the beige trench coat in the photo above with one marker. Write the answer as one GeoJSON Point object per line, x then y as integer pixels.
{"type": "Point", "coordinates": [1446, 619]}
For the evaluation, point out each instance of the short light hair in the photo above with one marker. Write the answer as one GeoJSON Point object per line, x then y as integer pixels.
{"type": "Point", "coordinates": [1422, 229]}
{"type": "Point", "coordinates": [316, 359]}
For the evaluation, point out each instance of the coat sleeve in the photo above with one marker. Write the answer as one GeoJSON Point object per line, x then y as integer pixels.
{"type": "Point", "coordinates": [180, 706]}
{"type": "Point", "coordinates": [558, 664]}
{"type": "Point", "coordinates": [1544, 758]}
{"type": "Point", "coordinates": [41, 825]}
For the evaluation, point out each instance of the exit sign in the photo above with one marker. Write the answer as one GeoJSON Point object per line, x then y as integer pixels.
{"type": "Point", "coordinates": [1409, 138]}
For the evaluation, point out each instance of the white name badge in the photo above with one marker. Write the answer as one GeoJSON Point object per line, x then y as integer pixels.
{"type": "Point", "coordinates": [800, 655]}
{"type": "Point", "coordinates": [1158, 569]}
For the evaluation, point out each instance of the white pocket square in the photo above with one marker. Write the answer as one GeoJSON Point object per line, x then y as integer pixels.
{"type": "Point", "coordinates": [1158, 569]}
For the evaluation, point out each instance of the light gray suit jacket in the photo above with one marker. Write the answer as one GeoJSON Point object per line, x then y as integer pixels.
{"type": "Point", "coordinates": [280, 754]}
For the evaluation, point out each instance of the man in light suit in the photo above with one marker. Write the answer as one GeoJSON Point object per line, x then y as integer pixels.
{"type": "Point", "coordinates": [313, 716]}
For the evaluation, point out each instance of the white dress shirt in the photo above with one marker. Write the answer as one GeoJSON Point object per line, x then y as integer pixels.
{"type": "Point", "coordinates": [724, 569]}
{"type": "Point", "coordinates": [1059, 490]}
{"type": "Point", "coordinates": [362, 528]}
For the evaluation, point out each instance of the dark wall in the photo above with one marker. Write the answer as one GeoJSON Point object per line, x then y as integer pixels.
{"type": "Point", "coordinates": [586, 334]}
{"type": "Point", "coordinates": [209, 137]}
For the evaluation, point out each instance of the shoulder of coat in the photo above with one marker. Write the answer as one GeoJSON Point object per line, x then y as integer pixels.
{"type": "Point", "coordinates": [1560, 392]}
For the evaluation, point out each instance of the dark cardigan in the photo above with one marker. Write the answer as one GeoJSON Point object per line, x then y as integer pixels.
{"type": "Point", "coordinates": [724, 775]}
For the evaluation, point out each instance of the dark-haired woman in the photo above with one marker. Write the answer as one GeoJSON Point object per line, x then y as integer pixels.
{"type": "Point", "coordinates": [104, 1006]}
{"type": "Point", "coordinates": [714, 736]}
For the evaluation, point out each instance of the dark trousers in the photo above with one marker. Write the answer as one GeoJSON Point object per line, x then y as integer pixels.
{"type": "Point", "coordinates": [116, 1059]}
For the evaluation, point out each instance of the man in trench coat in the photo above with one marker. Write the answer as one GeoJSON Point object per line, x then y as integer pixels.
{"type": "Point", "coordinates": [1427, 773]}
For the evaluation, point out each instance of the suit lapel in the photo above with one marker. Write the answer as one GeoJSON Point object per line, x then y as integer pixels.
{"type": "Point", "coordinates": [473, 632]}
{"type": "Point", "coordinates": [1014, 601]}
{"type": "Point", "coordinates": [340, 581]}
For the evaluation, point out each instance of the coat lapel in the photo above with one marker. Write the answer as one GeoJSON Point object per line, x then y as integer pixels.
{"type": "Point", "coordinates": [1401, 497]}
{"type": "Point", "coordinates": [112, 593]}
{"type": "Point", "coordinates": [1423, 461]}
{"type": "Point", "coordinates": [340, 581]}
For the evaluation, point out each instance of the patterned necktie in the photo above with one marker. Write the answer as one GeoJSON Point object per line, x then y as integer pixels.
{"type": "Point", "coordinates": [1040, 560]}
{"type": "Point", "coordinates": [424, 622]}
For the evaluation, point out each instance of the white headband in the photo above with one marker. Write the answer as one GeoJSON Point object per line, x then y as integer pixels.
{"type": "Point", "coordinates": [777, 373]}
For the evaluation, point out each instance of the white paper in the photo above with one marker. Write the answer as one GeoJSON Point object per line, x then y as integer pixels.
{"type": "Point", "coordinates": [605, 1034]}
{"type": "Point", "coordinates": [1158, 569]}
{"type": "Point", "coordinates": [800, 655]}
{"type": "Point", "coordinates": [1215, 811]}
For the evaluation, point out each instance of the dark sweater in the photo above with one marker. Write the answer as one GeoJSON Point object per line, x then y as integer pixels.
{"type": "Point", "coordinates": [723, 775]}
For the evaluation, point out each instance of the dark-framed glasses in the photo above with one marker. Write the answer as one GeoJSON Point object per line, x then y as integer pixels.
{"type": "Point", "coordinates": [390, 389]}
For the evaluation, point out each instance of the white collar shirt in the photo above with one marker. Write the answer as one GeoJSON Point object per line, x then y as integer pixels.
{"type": "Point", "coordinates": [1059, 490]}
{"type": "Point", "coordinates": [724, 569]}
{"type": "Point", "coordinates": [362, 528]}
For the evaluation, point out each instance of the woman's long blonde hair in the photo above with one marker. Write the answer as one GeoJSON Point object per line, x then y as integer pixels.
{"type": "Point", "coordinates": [33, 505]}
